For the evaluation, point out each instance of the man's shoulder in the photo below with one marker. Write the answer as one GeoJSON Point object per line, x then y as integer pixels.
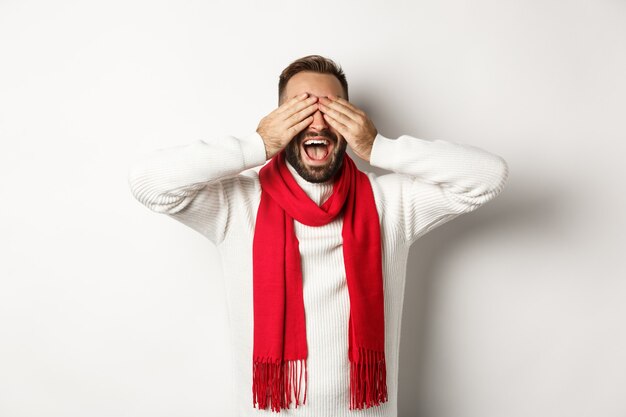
{"type": "Point", "coordinates": [387, 187]}
{"type": "Point", "coordinates": [386, 178]}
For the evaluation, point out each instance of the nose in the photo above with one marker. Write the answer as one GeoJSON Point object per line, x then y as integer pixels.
{"type": "Point", "coordinates": [318, 123]}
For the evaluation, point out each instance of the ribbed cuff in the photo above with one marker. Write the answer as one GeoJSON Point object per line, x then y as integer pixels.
{"type": "Point", "coordinates": [253, 150]}
{"type": "Point", "coordinates": [382, 152]}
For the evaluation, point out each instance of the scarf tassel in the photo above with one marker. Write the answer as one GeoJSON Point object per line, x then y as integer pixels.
{"type": "Point", "coordinates": [368, 386]}
{"type": "Point", "coordinates": [274, 382]}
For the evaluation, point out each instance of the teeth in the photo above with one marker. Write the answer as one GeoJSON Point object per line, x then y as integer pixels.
{"type": "Point", "coordinates": [316, 142]}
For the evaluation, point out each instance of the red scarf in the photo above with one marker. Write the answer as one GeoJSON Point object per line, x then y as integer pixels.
{"type": "Point", "coordinates": [280, 346]}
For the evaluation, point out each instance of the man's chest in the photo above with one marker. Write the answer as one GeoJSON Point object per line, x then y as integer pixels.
{"type": "Point", "coordinates": [321, 256]}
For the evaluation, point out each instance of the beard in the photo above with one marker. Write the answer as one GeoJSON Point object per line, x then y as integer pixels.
{"type": "Point", "coordinates": [316, 174]}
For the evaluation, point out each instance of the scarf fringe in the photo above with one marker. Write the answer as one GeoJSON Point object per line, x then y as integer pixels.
{"type": "Point", "coordinates": [274, 382]}
{"type": "Point", "coordinates": [368, 379]}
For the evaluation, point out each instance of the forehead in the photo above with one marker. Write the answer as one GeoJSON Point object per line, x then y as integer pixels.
{"type": "Point", "coordinates": [317, 84]}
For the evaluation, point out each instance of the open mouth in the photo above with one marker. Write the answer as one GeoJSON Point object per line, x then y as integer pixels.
{"type": "Point", "coordinates": [317, 149]}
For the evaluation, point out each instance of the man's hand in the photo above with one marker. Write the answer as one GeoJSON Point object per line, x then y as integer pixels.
{"type": "Point", "coordinates": [285, 122]}
{"type": "Point", "coordinates": [351, 122]}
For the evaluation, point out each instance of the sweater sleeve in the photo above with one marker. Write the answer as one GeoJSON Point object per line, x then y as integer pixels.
{"type": "Point", "coordinates": [434, 181]}
{"type": "Point", "coordinates": [191, 182]}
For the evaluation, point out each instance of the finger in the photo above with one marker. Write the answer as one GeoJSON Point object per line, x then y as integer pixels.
{"type": "Point", "coordinates": [337, 125]}
{"type": "Point", "coordinates": [341, 107]}
{"type": "Point", "coordinates": [338, 114]}
{"type": "Point", "coordinates": [344, 102]}
{"type": "Point", "coordinates": [294, 101]}
{"type": "Point", "coordinates": [296, 118]}
{"type": "Point", "coordinates": [298, 127]}
{"type": "Point", "coordinates": [295, 109]}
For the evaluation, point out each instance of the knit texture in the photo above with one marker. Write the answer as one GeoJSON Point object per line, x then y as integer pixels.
{"type": "Point", "coordinates": [212, 186]}
{"type": "Point", "coordinates": [279, 323]}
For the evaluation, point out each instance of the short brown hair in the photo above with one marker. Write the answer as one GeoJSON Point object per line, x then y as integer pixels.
{"type": "Point", "coordinates": [314, 63]}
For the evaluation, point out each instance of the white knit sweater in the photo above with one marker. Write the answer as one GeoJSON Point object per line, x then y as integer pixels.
{"type": "Point", "coordinates": [212, 186]}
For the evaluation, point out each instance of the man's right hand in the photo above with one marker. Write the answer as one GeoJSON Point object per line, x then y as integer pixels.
{"type": "Point", "coordinates": [285, 122]}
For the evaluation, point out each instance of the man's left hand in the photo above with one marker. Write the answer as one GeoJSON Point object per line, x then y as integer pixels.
{"type": "Point", "coordinates": [351, 122]}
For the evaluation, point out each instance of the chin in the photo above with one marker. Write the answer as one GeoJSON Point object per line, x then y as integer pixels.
{"type": "Point", "coordinates": [316, 173]}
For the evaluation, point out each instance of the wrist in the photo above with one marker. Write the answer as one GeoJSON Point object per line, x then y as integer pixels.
{"type": "Point", "coordinates": [366, 149]}
{"type": "Point", "coordinates": [253, 150]}
{"type": "Point", "coordinates": [268, 150]}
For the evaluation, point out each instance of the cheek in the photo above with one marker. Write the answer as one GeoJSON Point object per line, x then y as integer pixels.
{"type": "Point", "coordinates": [292, 146]}
{"type": "Point", "coordinates": [341, 144]}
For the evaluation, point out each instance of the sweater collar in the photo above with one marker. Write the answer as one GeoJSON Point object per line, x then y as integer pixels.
{"type": "Point", "coordinates": [318, 192]}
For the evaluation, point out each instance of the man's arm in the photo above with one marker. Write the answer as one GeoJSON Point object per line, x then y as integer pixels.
{"type": "Point", "coordinates": [438, 180]}
{"type": "Point", "coordinates": [187, 182]}
{"type": "Point", "coordinates": [195, 183]}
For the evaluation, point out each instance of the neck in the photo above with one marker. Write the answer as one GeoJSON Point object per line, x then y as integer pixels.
{"type": "Point", "coordinates": [317, 191]}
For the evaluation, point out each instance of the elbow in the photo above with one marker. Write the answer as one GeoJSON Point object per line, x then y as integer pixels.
{"type": "Point", "coordinates": [494, 181]}
{"type": "Point", "coordinates": [151, 191]}
{"type": "Point", "coordinates": [489, 183]}
{"type": "Point", "coordinates": [136, 184]}
{"type": "Point", "coordinates": [142, 188]}
{"type": "Point", "coordinates": [500, 174]}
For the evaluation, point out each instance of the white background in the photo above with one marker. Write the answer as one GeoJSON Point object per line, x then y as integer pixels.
{"type": "Point", "coordinates": [108, 309]}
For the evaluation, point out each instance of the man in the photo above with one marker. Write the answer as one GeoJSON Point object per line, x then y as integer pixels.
{"type": "Point", "coordinates": [314, 250]}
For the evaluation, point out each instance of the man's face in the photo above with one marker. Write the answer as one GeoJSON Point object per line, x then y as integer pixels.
{"type": "Point", "coordinates": [317, 151]}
